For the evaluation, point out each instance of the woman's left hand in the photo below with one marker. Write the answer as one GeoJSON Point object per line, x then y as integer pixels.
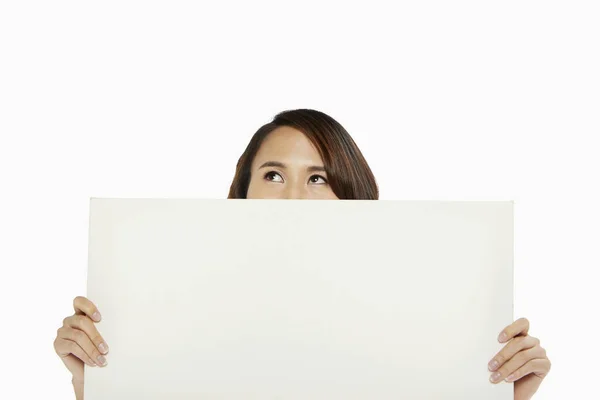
{"type": "Point", "coordinates": [522, 360]}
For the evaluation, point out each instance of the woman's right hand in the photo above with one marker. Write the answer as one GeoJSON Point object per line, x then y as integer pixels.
{"type": "Point", "coordinates": [78, 341]}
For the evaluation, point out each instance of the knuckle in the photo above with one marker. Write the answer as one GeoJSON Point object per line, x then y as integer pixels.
{"type": "Point", "coordinates": [524, 339]}
{"type": "Point", "coordinates": [97, 339]}
{"type": "Point", "coordinates": [61, 332]}
{"type": "Point", "coordinates": [519, 340]}
{"type": "Point", "coordinates": [78, 335]}
{"type": "Point", "coordinates": [94, 354]}
{"type": "Point", "coordinates": [67, 320]}
{"type": "Point", "coordinates": [71, 346]}
{"type": "Point", "coordinates": [72, 320]}
{"type": "Point", "coordinates": [88, 326]}
{"type": "Point", "coordinates": [80, 320]}
{"type": "Point", "coordinates": [522, 357]}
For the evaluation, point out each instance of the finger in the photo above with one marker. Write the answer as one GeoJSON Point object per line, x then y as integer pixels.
{"type": "Point", "coordinates": [65, 347]}
{"type": "Point", "coordinates": [519, 327]}
{"type": "Point", "coordinates": [75, 365]}
{"type": "Point", "coordinates": [83, 341]}
{"type": "Point", "coordinates": [86, 325]}
{"type": "Point", "coordinates": [538, 366]}
{"type": "Point", "coordinates": [516, 362]}
{"type": "Point", "coordinates": [509, 350]}
{"type": "Point", "coordinates": [84, 306]}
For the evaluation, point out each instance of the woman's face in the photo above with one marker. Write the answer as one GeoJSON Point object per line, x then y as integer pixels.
{"type": "Point", "coordinates": [288, 166]}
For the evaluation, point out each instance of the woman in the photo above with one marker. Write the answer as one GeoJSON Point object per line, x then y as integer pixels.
{"type": "Point", "coordinates": [304, 154]}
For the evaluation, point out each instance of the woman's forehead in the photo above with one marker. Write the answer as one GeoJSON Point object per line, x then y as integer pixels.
{"type": "Point", "coordinates": [287, 145]}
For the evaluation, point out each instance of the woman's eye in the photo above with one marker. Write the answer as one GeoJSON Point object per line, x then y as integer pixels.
{"type": "Point", "coordinates": [273, 177]}
{"type": "Point", "coordinates": [318, 179]}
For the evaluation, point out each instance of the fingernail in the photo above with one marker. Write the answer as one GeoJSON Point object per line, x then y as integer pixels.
{"type": "Point", "coordinates": [503, 336]}
{"type": "Point", "coordinates": [510, 377]}
{"type": "Point", "coordinates": [103, 348]}
{"type": "Point", "coordinates": [495, 376]}
{"type": "Point", "coordinates": [493, 365]}
{"type": "Point", "coordinates": [96, 316]}
{"type": "Point", "coordinates": [101, 360]}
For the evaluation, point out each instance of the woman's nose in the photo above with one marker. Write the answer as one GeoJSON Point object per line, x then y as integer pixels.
{"type": "Point", "coordinates": [295, 192]}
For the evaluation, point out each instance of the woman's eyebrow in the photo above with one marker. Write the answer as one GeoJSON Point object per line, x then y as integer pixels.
{"type": "Point", "coordinates": [273, 164]}
{"type": "Point", "coordinates": [277, 164]}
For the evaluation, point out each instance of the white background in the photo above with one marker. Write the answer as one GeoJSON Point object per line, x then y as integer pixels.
{"type": "Point", "coordinates": [447, 100]}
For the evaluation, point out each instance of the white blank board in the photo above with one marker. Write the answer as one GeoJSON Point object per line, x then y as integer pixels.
{"type": "Point", "coordinates": [296, 299]}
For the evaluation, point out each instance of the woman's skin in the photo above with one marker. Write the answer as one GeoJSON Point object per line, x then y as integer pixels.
{"type": "Point", "coordinates": [287, 166]}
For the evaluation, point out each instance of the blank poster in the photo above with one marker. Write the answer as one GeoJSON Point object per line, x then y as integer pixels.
{"type": "Point", "coordinates": [299, 299]}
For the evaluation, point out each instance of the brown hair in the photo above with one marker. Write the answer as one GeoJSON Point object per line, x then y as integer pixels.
{"type": "Point", "coordinates": [347, 170]}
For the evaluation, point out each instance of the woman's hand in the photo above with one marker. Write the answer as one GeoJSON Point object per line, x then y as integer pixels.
{"type": "Point", "coordinates": [78, 341]}
{"type": "Point", "coordinates": [522, 360]}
